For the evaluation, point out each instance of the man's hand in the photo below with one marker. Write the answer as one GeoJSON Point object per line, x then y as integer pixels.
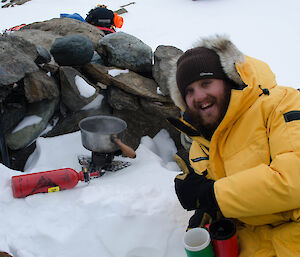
{"type": "Point", "coordinates": [199, 219]}
{"type": "Point", "coordinates": [196, 192]}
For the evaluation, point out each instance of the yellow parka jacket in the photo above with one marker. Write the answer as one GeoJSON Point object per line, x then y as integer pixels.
{"type": "Point", "coordinates": [254, 155]}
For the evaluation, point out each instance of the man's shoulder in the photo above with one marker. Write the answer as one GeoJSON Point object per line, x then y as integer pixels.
{"type": "Point", "coordinates": [282, 98]}
{"type": "Point", "coordinates": [286, 88]}
{"type": "Point", "coordinates": [278, 93]}
{"type": "Point", "coordinates": [281, 92]}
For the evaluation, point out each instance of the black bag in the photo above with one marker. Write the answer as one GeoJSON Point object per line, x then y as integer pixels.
{"type": "Point", "coordinates": [101, 17]}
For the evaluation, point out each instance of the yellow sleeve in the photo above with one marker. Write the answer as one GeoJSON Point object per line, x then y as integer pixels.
{"type": "Point", "coordinates": [268, 189]}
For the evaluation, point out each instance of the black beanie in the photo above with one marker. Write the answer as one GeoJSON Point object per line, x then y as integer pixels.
{"type": "Point", "coordinates": [195, 64]}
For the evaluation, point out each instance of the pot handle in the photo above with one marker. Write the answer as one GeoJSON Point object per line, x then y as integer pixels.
{"type": "Point", "coordinates": [126, 150]}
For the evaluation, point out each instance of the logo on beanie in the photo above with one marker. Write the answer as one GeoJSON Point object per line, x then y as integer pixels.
{"type": "Point", "coordinates": [202, 74]}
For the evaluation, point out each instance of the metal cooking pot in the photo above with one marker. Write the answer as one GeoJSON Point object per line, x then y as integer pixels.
{"type": "Point", "coordinates": [104, 134]}
{"type": "Point", "coordinates": [98, 133]}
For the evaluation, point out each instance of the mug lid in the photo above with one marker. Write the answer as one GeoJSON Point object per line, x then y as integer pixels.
{"type": "Point", "coordinates": [222, 229]}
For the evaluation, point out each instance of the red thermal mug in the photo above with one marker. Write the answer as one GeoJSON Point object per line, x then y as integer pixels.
{"type": "Point", "coordinates": [224, 239]}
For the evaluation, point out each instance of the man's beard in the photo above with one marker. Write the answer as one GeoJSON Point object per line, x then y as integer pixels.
{"type": "Point", "coordinates": [198, 121]}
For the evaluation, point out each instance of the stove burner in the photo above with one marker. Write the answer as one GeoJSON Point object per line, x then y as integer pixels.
{"type": "Point", "coordinates": [100, 163]}
{"type": "Point", "coordinates": [102, 159]}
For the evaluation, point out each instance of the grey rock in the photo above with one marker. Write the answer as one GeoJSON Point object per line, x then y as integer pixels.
{"type": "Point", "coordinates": [70, 93]}
{"type": "Point", "coordinates": [72, 50]}
{"type": "Point", "coordinates": [12, 114]}
{"type": "Point", "coordinates": [119, 99]}
{"type": "Point", "coordinates": [43, 55]}
{"type": "Point", "coordinates": [25, 136]}
{"type": "Point", "coordinates": [163, 64]}
{"type": "Point", "coordinates": [130, 82]}
{"type": "Point", "coordinates": [38, 37]}
{"type": "Point", "coordinates": [125, 51]}
{"type": "Point", "coordinates": [52, 68]}
{"type": "Point", "coordinates": [18, 158]}
{"type": "Point", "coordinates": [66, 26]}
{"type": "Point", "coordinates": [143, 116]}
{"type": "Point", "coordinates": [5, 91]}
{"type": "Point", "coordinates": [140, 123]}
{"type": "Point", "coordinates": [17, 57]}
{"type": "Point", "coordinates": [164, 110]}
{"type": "Point", "coordinates": [141, 86]}
{"type": "Point", "coordinates": [97, 59]}
{"type": "Point", "coordinates": [68, 123]}
{"type": "Point", "coordinates": [15, 2]}
{"type": "Point", "coordinates": [97, 73]}
{"type": "Point", "coordinates": [39, 86]}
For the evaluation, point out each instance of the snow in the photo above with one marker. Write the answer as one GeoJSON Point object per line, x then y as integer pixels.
{"type": "Point", "coordinates": [84, 88]}
{"type": "Point", "coordinates": [158, 91]}
{"type": "Point", "coordinates": [118, 214]}
{"type": "Point", "coordinates": [95, 104]}
{"type": "Point", "coordinates": [134, 212]}
{"type": "Point", "coordinates": [116, 72]}
{"type": "Point", "coordinates": [27, 121]}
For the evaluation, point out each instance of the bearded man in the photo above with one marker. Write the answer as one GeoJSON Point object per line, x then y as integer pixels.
{"type": "Point", "coordinates": [245, 154]}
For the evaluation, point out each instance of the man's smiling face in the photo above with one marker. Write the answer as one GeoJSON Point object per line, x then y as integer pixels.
{"type": "Point", "coordinates": [207, 102]}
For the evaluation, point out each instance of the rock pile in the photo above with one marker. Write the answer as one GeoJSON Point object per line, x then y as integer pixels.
{"type": "Point", "coordinates": [56, 72]}
{"type": "Point", "coordinates": [12, 3]}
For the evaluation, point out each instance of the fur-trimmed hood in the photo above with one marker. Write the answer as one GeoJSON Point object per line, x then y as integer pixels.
{"type": "Point", "coordinates": [229, 57]}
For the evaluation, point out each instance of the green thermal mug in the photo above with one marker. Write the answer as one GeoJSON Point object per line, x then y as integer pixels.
{"type": "Point", "coordinates": [197, 243]}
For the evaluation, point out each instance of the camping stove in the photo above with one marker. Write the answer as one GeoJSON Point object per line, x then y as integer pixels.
{"type": "Point", "coordinates": [96, 165]}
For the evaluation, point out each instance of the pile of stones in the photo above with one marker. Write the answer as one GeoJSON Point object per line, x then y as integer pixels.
{"type": "Point", "coordinates": [56, 72]}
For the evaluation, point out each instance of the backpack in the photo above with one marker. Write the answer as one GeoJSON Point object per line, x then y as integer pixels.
{"type": "Point", "coordinates": [104, 18]}
{"type": "Point", "coordinates": [101, 17]}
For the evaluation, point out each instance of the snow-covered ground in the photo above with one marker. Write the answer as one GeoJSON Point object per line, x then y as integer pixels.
{"type": "Point", "coordinates": [134, 212]}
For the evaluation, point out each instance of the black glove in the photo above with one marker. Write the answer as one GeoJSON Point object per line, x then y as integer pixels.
{"type": "Point", "coordinates": [196, 192]}
{"type": "Point", "coordinates": [200, 219]}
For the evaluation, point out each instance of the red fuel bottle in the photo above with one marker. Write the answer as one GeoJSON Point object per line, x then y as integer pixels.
{"type": "Point", "coordinates": [45, 182]}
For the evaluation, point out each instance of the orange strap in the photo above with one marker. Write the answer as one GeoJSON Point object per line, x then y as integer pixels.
{"type": "Point", "coordinates": [118, 20]}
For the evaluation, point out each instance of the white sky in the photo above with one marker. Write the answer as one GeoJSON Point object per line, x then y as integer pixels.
{"type": "Point", "coordinates": [134, 212]}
